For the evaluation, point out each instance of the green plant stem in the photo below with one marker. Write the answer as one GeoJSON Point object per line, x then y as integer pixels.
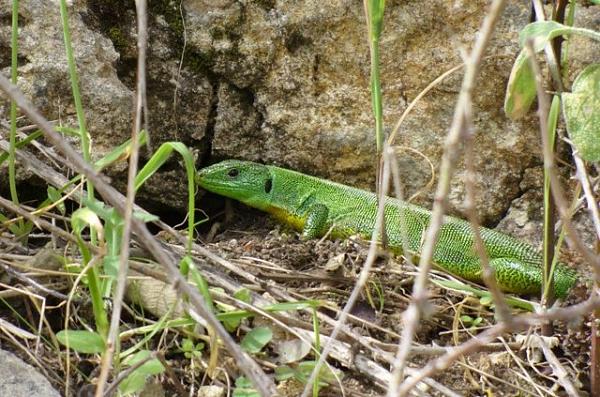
{"type": "Point", "coordinates": [13, 106]}
{"type": "Point", "coordinates": [569, 20]}
{"type": "Point", "coordinates": [376, 94]}
{"type": "Point", "coordinates": [85, 139]}
{"type": "Point", "coordinates": [549, 214]}
{"type": "Point", "coordinates": [316, 330]}
{"type": "Point", "coordinates": [94, 282]}
{"type": "Point", "coordinates": [100, 316]}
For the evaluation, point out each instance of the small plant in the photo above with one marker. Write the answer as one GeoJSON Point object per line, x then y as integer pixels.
{"type": "Point", "coordinates": [581, 114]}
{"type": "Point", "coordinates": [580, 108]}
{"type": "Point", "coordinates": [191, 349]}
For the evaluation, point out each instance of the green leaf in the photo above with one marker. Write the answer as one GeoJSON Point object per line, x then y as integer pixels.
{"type": "Point", "coordinates": [82, 341]}
{"type": "Point", "coordinates": [195, 276]}
{"type": "Point", "coordinates": [145, 216]}
{"type": "Point", "coordinates": [120, 152]}
{"type": "Point", "coordinates": [68, 131]}
{"type": "Point", "coordinates": [255, 340]}
{"type": "Point", "coordinates": [234, 316]}
{"type": "Point", "coordinates": [582, 113]}
{"type": "Point", "coordinates": [111, 265]}
{"type": "Point", "coordinates": [137, 379]}
{"type": "Point", "coordinates": [243, 295]}
{"type": "Point", "coordinates": [292, 351]}
{"type": "Point", "coordinates": [284, 372]}
{"type": "Point", "coordinates": [326, 374]}
{"type": "Point", "coordinates": [151, 367]}
{"type": "Point", "coordinates": [486, 300]}
{"type": "Point", "coordinates": [287, 306]}
{"type": "Point", "coordinates": [160, 157]}
{"type": "Point", "coordinates": [231, 318]}
{"type": "Point", "coordinates": [20, 144]}
{"type": "Point", "coordinates": [157, 160]}
{"type": "Point", "coordinates": [84, 217]}
{"type": "Point", "coordinates": [244, 388]}
{"type": "Point", "coordinates": [55, 196]}
{"type": "Point", "coordinates": [541, 33]}
{"type": "Point", "coordinates": [468, 320]}
{"type": "Point", "coordinates": [458, 286]}
{"type": "Point", "coordinates": [520, 90]}
{"type": "Point", "coordinates": [133, 383]}
{"type": "Point", "coordinates": [191, 349]}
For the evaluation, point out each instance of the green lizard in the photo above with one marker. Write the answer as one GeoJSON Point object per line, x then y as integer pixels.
{"type": "Point", "coordinates": [316, 206]}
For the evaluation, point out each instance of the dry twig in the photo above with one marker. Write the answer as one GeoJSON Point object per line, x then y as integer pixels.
{"type": "Point", "coordinates": [413, 314]}
{"type": "Point", "coordinates": [113, 333]}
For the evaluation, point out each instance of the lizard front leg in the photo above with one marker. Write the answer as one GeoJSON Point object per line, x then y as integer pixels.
{"type": "Point", "coordinates": [316, 221]}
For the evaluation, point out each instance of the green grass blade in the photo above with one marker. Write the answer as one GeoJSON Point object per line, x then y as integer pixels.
{"type": "Point", "coordinates": [120, 152]}
{"type": "Point", "coordinates": [21, 143]}
{"type": "Point", "coordinates": [548, 210]}
{"type": "Point", "coordinates": [375, 9]}
{"type": "Point", "coordinates": [461, 287]}
{"type": "Point", "coordinates": [157, 160]}
{"type": "Point", "coordinates": [12, 179]}
{"type": "Point", "coordinates": [85, 138]}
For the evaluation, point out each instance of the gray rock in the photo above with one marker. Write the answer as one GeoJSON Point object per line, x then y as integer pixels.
{"type": "Point", "coordinates": [179, 100]}
{"type": "Point", "coordinates": [287, 83]}
{"type": "Point", "coordinates": [20, 379]}
{"type": "Point", "coordinates": [44, 76]}
{"type": "Point", "coordinates": [313, 101]}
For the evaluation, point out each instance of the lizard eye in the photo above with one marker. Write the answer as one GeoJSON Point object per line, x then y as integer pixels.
{"type": "Point", "coordinates": [268, 185]}
{"type": "Point", "coordinates": [233, 172]}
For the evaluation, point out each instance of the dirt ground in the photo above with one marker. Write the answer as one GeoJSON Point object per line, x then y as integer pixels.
{"type": "Point", "coordinates": [326, 270]}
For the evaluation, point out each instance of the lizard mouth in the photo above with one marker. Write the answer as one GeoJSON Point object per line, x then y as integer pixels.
{"type": "Point", "coordinates": [227, 178]}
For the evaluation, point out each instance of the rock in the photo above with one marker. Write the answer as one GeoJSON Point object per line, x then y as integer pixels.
{"type": "Point", "coordinates": [525, 216]}
{"type": "Point", "coordinates": [20, 379]}
{"type": "Point", "coordinates": [287, 83]}
{"type": "Point", "coordinates": [179, 100]}
{"type": "Point", "coordinates": [211, 391]}
{"type": "Point", "coordinates": [313, 102]}
{"type": "Point", "coordinates": [44, 77]}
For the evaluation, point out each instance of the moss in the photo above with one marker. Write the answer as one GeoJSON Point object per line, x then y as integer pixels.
{"type": "Point", "coordinates": [170, 10]}
{"type": "Point", "coordinates": [110, 17]}
{"type": "Point", "coordinates": [118, 38]}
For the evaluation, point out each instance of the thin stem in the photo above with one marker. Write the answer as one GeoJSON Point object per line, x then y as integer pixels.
{"type": "Point", "coordinates": [13, 106]}
{"type": "Point", "coordinates": [113, 342]}
{"type": "Point", "coordinates": [85, 139]}
{"type": "Point", "coordinates": [376, 95]}
{"type": "Point", "coordinates": [457, 131]}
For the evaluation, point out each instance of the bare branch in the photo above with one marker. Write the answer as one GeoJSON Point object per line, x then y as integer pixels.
{"type": "Point", "coordinates": [113, 333]}
{"type": "Point", "coordinates": [451, 150]}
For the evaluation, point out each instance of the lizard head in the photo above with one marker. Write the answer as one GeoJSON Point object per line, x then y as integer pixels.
{"type": "Point", "coordinates": [248, 182]}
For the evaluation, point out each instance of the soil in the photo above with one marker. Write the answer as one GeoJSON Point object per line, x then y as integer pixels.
{"type": "Point", "coordinates": [326, 270]}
